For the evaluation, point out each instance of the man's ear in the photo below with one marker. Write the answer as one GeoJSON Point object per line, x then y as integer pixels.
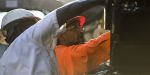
{"type": "Point", "coordinates": [3, 38]}
{"type": "Point", "coordinates": [61, 30]}
{"type": "Point", "coordinates": [4, 32]}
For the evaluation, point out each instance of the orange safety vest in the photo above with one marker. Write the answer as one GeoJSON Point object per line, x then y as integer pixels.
{"type": "Point", "coordinates": [83, 58]}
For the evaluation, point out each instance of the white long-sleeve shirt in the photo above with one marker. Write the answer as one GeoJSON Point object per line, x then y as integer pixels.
{"type": "Point", "coordinates": [28, 53]}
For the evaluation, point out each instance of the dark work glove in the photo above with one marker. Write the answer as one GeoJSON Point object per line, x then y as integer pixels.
{"type": "Point", "coordinates": [75, 8]}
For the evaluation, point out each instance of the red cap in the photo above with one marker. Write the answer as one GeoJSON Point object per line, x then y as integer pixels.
{"type": "Point", "coordinates": [80, 19]}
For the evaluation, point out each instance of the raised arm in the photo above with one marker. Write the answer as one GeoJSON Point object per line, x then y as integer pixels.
{"type": "Point", "coordinates": [99, 44]}
{"type": "Point", "coordinates": [74, 8]}
{"type": "Point", "coordinates": [47, 27]}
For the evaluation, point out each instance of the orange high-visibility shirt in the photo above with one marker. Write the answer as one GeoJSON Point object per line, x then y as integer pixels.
{"type": "Point", "coordinates": [83, 58]}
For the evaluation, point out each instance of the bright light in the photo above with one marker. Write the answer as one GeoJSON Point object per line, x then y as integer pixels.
{"type": "Point", "coordinates": [37, 13]}
{"type": "Point", "coordinates": [2, 14]}
{"type": "Point", "coordinates": [65, 1]}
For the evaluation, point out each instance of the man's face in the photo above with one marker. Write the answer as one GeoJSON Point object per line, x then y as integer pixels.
{"type": "Point", "coordinates": [73, 35]}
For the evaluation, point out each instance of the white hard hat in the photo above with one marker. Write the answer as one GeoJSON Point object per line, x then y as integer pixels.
{"type": "Point", "coordinates": [14, 15]}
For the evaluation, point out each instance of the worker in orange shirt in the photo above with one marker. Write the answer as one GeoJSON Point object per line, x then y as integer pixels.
{"type": "Point", "coordinates": [75, 57]}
